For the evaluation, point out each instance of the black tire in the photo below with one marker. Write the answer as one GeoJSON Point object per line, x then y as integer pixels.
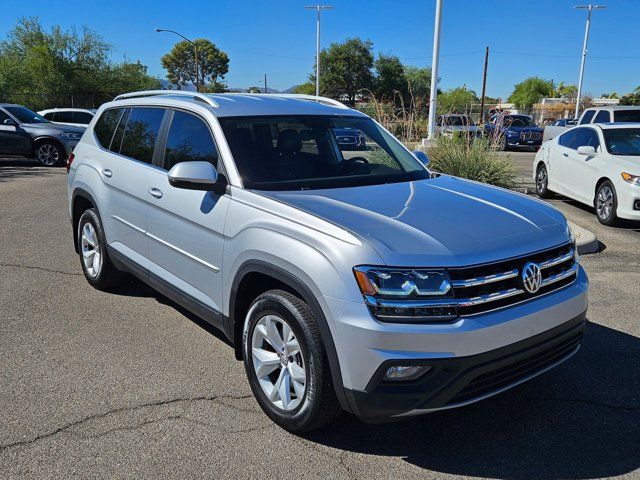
{"type": "Point", "coordinates": [106, 277]}
{"type": "Point", "coordinates": [504, 146]}
{"type": "Point", "coordinates": [606, 204]}
{"type": "Point", "coordinates": [319, 404]}
{"type": "Point", "coordinates": [50, 154]}
{"type": "Point", "coordinates": [542, 182]}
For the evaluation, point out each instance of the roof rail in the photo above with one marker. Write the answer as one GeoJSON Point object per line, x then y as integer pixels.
{"type": "Point", "coordinates": [313, 98]}
{"type": "Point", "coordinates": [149, 93]}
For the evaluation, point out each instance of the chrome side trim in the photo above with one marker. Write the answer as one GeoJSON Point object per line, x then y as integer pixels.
{"type": "Point", "coordinates": [182, 252]}
{"type": "Point", "coordinates": [496, 277]}
{"type": "Point", "coordinates": [555, 261]}
{"type": "Point", "coordinates": [128, 224]}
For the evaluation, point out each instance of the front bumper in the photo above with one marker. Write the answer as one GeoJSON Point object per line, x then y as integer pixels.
{"type": "Point", "coordinates": [366, 347]}
{"type": "Point", "coordinates": [459, 381]}
{"type": "Point", "coordinates": [518, 142]}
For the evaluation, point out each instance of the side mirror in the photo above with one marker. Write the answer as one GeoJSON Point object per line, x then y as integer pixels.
{"type": "Point", "coordinates": [422, 157]}
{"type": "Point", "coordinates": [11, 122]}
{"type": "Point", "coordinates": [194, 176]}
{"type": "Point", "coordinates": [587, 150]}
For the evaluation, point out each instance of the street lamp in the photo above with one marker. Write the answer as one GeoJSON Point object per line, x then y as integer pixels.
{"type": "Point", "coordinates": [590, 8]}
{"type": "Point", "coordinates": [318, 8]}
{"type": "Point", "coordinates": [195, 50]}
{"type": "Point", "coordinates": [433, 95]}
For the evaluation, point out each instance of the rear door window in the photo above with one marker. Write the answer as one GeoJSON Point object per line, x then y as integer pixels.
{"type": "Point", "coordinates": [50, 116]}
{"type": "Point", "coordinates": [82, 117]}
{"type": "Point", "coordinates": [64, 117]}
{"type": "Point", "coordinates": [587, 116]}
{"type": "Point", "coordinates": [106, 125]}
{"type": "Point", "coordinates": [603, 116]}
{"type": "Point", "coordinates": [141, 133]}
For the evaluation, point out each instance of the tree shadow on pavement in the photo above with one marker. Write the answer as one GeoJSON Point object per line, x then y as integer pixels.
{"type": "Point", "coordinates": [581, 420]}
{"type": "Point", "coordinates": [20, 167]}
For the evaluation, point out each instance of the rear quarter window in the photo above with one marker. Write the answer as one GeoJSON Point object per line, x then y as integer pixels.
{"type": "Point", "coordinates": [141, 133]}
{"type": "Point", "coordinates": [106, 125]}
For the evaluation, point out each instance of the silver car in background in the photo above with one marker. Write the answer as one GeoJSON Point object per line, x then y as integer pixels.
{"type": "Point", "coordinates": [362, 283]}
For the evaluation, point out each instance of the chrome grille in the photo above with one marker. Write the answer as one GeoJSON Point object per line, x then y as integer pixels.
{"type": "Point", "coordinates": [530, 135]}
{"type": "Point", "coordinates": [482, 288]}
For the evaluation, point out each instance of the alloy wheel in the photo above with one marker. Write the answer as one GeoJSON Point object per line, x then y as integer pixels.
{"type": "Point", "coordinates": [48, 154]}
{"type": "Point", "coordinates": [91, 256]}
{"type": "Point", "coordinates": [604, 202]}
{"type": "Point", "coordinates": [278, 362]}
{"type": "Point", "coordinates": [541, 180]}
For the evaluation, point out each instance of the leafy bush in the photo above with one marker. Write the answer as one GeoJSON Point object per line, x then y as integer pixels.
{"type": "Point", "coordinates": [474, 160]}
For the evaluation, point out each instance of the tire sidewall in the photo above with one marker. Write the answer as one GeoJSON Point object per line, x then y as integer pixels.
{"type": "Point", "coordinates": [90, 216]}
{"type": "Point", "coordinates": [612, 219]}
{"type": "Point", "coordinates": [300, 417]}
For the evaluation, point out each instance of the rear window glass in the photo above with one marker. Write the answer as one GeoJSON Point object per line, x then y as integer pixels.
{"type": "Point", "coordinates": [106, 125]}
{"type": "Point", "coordinates": [627, 116]}
{"type": "Point", "coordinates": [141, 133]}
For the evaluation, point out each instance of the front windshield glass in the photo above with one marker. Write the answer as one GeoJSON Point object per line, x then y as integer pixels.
{"type": "Point", "coordinates": [519, 122]}
{"type": "Point", "coordinates": [622, 141]}
{"type": "Point", "coordinates": [311, 152]}
{"type": "Point", "coordinates": [24, 115]}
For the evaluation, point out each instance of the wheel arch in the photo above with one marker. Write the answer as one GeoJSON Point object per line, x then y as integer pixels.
{"type": "Point", "coordinates": [40, 140]}
{"type": "Point", "coordinates": [80, 202]}
{"type": "Point", "coordinates": [269, 277]}
{"type": "Point", "coordinates": [600, 181]}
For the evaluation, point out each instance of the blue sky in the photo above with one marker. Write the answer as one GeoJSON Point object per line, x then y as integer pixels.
{"type": "Point", "coordinates": [277, 37]}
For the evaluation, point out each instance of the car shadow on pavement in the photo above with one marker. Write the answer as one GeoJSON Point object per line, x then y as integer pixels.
{"type": "Point", "coordinates": [580, 420]}
{"type": "Point", "coordinates": [20, 167]}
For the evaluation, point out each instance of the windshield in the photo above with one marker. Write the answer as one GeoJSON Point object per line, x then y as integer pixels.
{"type": "Point", "coordinates": [519, 122]}
{"type": "Point", "coordinates": [306, 152]}
{"type": "Point", "coordinates": [626, 116]}
{"type": "Point", "coordinates": [457, 121]}
{"type": "Point", "coordinates": [24, 115]}
{"type": "Point", "coordinates": [622, 141]}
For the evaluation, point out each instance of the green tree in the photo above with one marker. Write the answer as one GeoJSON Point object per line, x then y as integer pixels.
{"type": "Point", "coordinates": [631, 98]}
{"type": "Point", "coordinates": [306, 88]}
{"type": "Point", "coordinates": [456, 100]}
{"type": "Point", "coordinates": [213, 65]}
{"type": "Point", "coordinates": [345, 68]}
{"type": "Point", "coordinates": [531, 91]}
{"type": "Point", "coordinates": [418, 85]}
{"type": "Point", "coordinates": [610, 95]}
{"type": "Point", "coordinates": [390, 80]}
{"type": "Point", "coordinates": [564, 90]}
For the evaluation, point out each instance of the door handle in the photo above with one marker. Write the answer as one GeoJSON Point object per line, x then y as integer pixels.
{"type": "Point", "coordinates": [107, 173]}
{"type": "Point", "coordinates": [155, 192]}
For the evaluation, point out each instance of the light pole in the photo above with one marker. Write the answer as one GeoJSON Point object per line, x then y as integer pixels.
{"type": "Point", "coordinates": [195, 50]}
{"type": "Point", "coordinates": [318, 8]}
{"type": "Point", "coordinates": [589, 8]}
{"type": "Point", "coordinates": [433, 94]}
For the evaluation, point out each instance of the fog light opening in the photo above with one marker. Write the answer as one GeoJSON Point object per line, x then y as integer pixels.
{"type": "Point", "coordinates": [404, 373]}
{"type": "Point", "coordinates": [636, 205]}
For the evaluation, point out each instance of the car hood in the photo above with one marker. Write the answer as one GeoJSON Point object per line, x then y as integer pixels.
{"type": "Point", "coordinates": [443, 221]}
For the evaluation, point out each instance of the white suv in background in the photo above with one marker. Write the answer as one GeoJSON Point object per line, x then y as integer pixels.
{"type": "Point", "coordinates": [79, 117]}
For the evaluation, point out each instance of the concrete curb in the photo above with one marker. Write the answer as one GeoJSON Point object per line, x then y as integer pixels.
{"type": "Point", "coordinates": [586, 240]}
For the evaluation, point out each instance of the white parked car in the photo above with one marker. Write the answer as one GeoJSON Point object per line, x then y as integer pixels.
{"type": "Point", "coordinates": [595, 164]}
{"type": "Point", "coordinates": [79, 117]}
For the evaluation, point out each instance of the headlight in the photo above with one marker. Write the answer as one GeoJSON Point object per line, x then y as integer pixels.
{"type": "Point", "coordinates": [71, 135]}
{"type": "Point", "coordinates": [511, 133]}
{"type": "Point", "coordinates": [629, 178]}
{"type": "Point", "coordinates": [572, 238]}
{"type": "Point", "coordinates": [406, 295]}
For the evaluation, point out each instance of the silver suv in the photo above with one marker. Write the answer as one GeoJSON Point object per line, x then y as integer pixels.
{"type": "Point", "coordinates": [346, 279]}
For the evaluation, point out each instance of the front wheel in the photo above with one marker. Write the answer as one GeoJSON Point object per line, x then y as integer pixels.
{"type": "Point", "coordinates": [50, 154]}
{"type": "Point", "coordinates": [607, 204]}
{"type": "Point", "coordinates": [286, 363]}
{"type": "Point", "coordinates": [542, 182]}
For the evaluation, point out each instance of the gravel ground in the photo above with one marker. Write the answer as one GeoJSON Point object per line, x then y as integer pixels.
{"type": "Point", "coordinates": [128, 385]}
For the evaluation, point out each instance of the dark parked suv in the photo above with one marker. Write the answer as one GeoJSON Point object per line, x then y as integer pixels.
{"type": "Point", "coordinates": [24, 132]}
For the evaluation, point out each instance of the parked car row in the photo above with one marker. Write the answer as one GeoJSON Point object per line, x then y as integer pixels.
{"type": "Point", "coordinates": [615, 114]}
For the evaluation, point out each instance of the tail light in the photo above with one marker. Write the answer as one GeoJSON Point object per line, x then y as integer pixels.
{"type": "Point", "coordinates": [70, 161]}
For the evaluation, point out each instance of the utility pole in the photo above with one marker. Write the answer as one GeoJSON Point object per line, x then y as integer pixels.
{"type": "Point", "coordinates": [195, 51]}
{"type": "Point", "coordinates": [590, 8]}
{"type": "Point", "coordinates": [433, 95]}
{"type": "Point", "coordinates": [265, 83]}
{"type": "Point", "coordinates": [484, 83]}
{"type": "Point", "coordinates": [318, 8]}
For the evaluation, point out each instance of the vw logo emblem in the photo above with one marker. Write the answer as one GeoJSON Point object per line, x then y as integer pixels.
{"type": "Point", "coordinates": [531, 277]}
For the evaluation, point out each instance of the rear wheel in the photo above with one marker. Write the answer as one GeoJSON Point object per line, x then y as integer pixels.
{"type": "Point", "coordinates": [92, 248]}
{"type": "Point", "coordinates": [606, 204]}
{"type": "Point", "coordinates": [286, 363]}
{"type": "Point", "coordinates": [50, 154]}
{"type": "Point", "coordinates": [542, 182]}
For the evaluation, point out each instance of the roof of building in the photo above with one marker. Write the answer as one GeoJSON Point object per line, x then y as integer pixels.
{"type": "Point", "coordinates": [246, 104]}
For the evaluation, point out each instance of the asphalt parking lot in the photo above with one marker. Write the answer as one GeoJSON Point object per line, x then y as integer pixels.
{"type": "Point", "coordinates": [128, 385]}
